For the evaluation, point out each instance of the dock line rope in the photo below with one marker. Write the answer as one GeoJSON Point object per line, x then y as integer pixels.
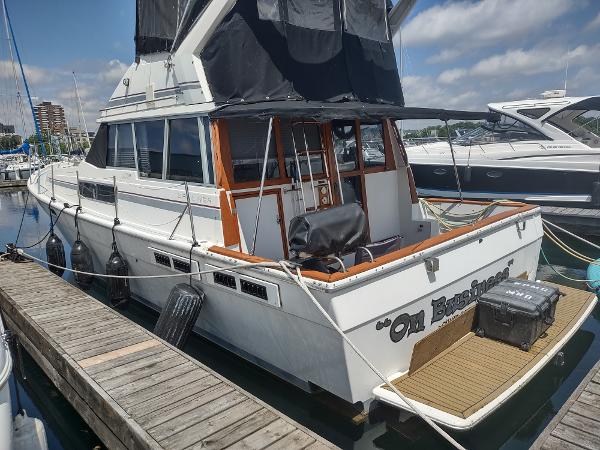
{"type": "Point", "coordinates": [571, 234]}
{"type": "Point", "coordinates": [560, 274]}
{"type": "Point", "coordinates": [272, 265]}
{"type": "Point", "coordinates": [300, 282]}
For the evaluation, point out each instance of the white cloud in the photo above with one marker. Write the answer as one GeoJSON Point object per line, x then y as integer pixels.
{"type": "Point", "coordinates": [113, 71]}
{"type": "Point", "coordinates": [476, 24]}
{"type": "Point", "coordinates": [451, 75]}
{"type": "Point", "coordinates": [595, 23]}
{"type": "Point", "coordinates": [519, 62]}
{"type": "Point", "coordinates": [96, 80]}
{"type": "Point", "coordinates": [444, 56]}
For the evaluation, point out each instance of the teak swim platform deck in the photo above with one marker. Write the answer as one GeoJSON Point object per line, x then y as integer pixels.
{"type": "Point", "coordinates": [133, 389]}
{"type": "Point", "coordinates": [577, 424]}
{"type": "Point", "coordinates": [475, 372]}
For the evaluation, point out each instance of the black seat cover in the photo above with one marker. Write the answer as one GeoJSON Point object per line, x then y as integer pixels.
{"type": "Point", "coordinates": [332, 231]}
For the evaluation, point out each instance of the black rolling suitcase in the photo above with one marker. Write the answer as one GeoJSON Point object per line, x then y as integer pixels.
{"type": "Point", "coordinates": [517, 311]}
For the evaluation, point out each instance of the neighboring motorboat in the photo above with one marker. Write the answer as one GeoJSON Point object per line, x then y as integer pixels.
{"type": "Point", "coordinates": [544, 151]}
{"type": "Point", "coordinates": [288, 151]}
{"type": "Point", "coordinates": [20, 432]}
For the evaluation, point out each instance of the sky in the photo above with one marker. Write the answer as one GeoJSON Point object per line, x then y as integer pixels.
{"type": "Point", "coordinates": [458, 54]}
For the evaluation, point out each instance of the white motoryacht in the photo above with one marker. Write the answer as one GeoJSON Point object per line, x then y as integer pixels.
{"type": "Point", "coordinates": [545, 151]}
{"type": "Point", "coordinates": [242, 131]}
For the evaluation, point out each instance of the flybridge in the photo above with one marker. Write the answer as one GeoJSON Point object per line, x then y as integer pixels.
{"type": "Point", "coordinates": [264, 50]}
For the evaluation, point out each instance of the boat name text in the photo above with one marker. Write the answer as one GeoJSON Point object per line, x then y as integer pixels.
{"type": "Point", "coordinates": [406, 324]}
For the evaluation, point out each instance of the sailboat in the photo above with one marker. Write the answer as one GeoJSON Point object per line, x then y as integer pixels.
{"type": "Point", "coordinates": [270, 125]}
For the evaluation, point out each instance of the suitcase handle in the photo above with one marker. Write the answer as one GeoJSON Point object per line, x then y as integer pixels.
{"type": "Point", "coordinates": [503, 316]}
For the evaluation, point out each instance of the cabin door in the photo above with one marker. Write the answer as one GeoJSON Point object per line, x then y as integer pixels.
{"type": "Point", "coordinates": [270, 234]}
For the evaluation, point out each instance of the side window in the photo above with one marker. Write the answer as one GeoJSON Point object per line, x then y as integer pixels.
{"type": "Point", "coordinates": [371, 136]}
{"type": "Point", "coordinates": [125, 151]}
{"type": "Point", "coordinates": [207, 146]}
{"type": "Point", "coordinates": [366, 19]}
{"type": "Point", "coordinates": [268, 10]}
{"type": "Point", "coordinates": [248, 140]}
{"type": "Point", "coordinates": [344, 145]}
{"type": "Point", "coordinates": [533, 113]}
{"type": "Point", "coordinates": [314, 14]}
{"type": "Point", "coordinates": [149, 138]}
{"type": "Point", "coordinates": [185, 156]}
{"type": "Point", "coordinates": [100, 192]}
{"type": "Point", "coordinates": [510, 129]}
{"type": "Point", "coordinates": [110, 147]}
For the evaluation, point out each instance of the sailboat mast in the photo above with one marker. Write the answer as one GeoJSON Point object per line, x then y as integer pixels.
{"type": "Point", "coordinates": [87, 136]}
{"type": "Point", "coordinates": [9, 28]}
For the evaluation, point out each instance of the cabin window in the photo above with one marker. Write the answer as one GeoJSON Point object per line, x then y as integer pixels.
{"type": "Point", "coordinates": [100, 192]}
{"type": "Point", "coordinates": [125, 150]}
{"type": "Point", "coordinates": [110, 147]}
{"type": "Point", "coordinates": [268, 10]}
{"type": "Point", "coordinates": [533, 113]}
{"type": "Point", "coordinates": [373, 147]}
{"type": "Point", "coordinates": [366, 19]}
{"type": "Point", "coordinates": [314, 14]}
{"type": "Point", "coordinates": [185, 151]}
{"type": "Point", "coordinates": [247, 140]}
{"type": "Point", "coordinates": [580, 123]}
{"type": "Point", "coordinates": [344, 145]}
{"type": "Point", "coordinates": [149, 137]}
{"type": "Point", "coordinates": [303, 135]}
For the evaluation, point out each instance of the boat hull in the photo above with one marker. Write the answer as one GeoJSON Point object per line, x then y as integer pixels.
{"type": "Point", "coordinates": [384, 317]}
{"type": "Point", "coordinates": [539, 185]}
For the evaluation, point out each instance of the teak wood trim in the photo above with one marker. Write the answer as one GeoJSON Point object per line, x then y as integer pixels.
{"type": "Point", "coordinates": [398, 254]}
{"type": "Point", "coordinates": [229, 221]}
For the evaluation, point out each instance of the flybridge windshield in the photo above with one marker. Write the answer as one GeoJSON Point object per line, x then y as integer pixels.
{"type": "Point", "coordinates": [507, 129]}
{"type": "Point", "coordinates": [583, 125]}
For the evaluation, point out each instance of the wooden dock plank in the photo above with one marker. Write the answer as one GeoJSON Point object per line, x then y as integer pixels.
{"type": "Point", "coordinates": [211, 425]}
{"type": "Point", "coordinates": [168, 399]}
{"type": "Point", "coordinates": [577, 424]}
{"type": "Point", "coordinates": [265, 436]}
{"type": "Point", "coordinates": [133, 389]}
{"type": "Point", "coordinates": [238, 431]}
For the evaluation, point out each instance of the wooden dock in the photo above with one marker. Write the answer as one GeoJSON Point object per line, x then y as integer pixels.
{"type": "Point", "coordinates": [133, 389]}
{"type": "Point", "coordinates": [10, 184]}
{"type": "Point", "coordinates": [577, 424]}
{"type": "Point", "coordinates": [579, 220]}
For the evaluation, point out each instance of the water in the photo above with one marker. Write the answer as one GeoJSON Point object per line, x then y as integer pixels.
{"type": "Point", "coordinates": [515, 426]}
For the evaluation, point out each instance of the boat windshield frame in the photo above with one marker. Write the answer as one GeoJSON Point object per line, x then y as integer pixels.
{"type": "Point", "coordinates": [569, 120]}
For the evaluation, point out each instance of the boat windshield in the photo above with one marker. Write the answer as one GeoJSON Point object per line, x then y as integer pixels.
{"type": "Point", "coordinates": [507, 129]}
{"type": "Point", "coordinates": [581, 124]}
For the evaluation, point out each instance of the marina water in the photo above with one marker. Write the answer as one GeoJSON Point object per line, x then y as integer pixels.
{"type": "Point", "coordinates": [515, 426]}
